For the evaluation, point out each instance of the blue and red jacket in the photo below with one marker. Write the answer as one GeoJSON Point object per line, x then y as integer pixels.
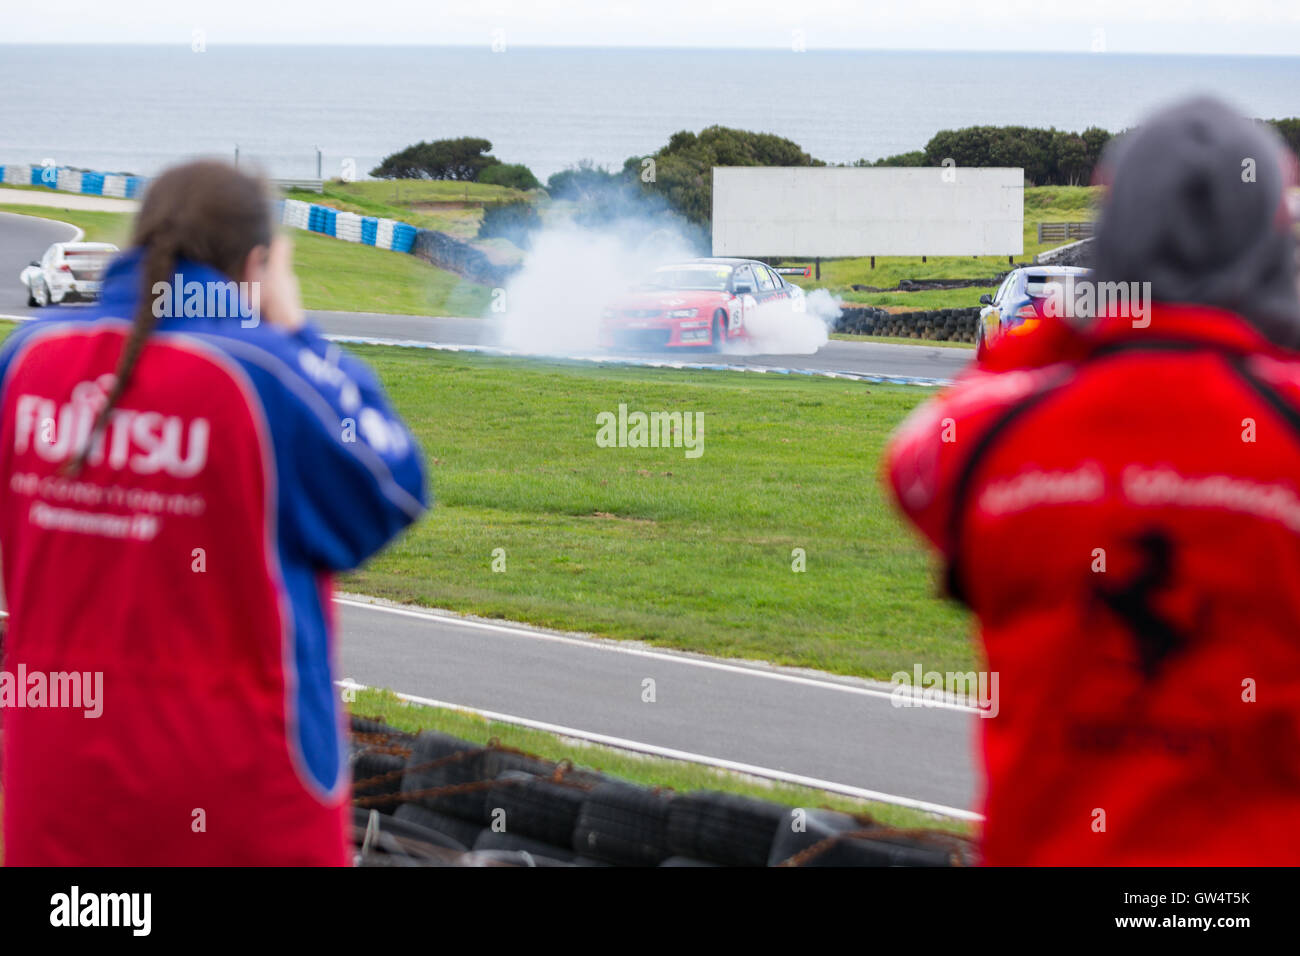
{"type": "Point", "coordinates": [189, 564]}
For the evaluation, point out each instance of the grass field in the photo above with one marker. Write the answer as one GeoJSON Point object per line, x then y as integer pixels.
{"type": "Point", "coordinates": [646, 543]}
{"type": "Point", "coordinates": [335, 275]}
{"type": "Point", "coordinates": [636, 768]}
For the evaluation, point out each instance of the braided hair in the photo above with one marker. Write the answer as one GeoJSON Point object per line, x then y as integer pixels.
{"type": "Point", "coordinates": [206, 212]}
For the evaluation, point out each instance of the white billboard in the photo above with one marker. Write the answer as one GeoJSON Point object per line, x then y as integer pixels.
{"type": "Point", "coordinates": [831, 211]}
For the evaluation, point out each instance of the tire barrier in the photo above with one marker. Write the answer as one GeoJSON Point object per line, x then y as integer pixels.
{"type": "Point", "coordinates": [935, 325]}
{"type": "Point", "coordinates": [450, 253]}
{"type": "Point", "coordinates": [68, 179]}
{"type": "Point", "coordinates": [431, 799]}
{"type": "Point", "coordinates": [1074, 254]}
{"type": "Point", "coordinates": [348, 226]}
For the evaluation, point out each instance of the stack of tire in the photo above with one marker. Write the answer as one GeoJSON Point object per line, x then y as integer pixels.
{"type": "Point", "coordinates": [436, 800]}
{"type": "Point", "coordinates": [935, 325]}
{"type": "Point", "coordinates": [448, 252]}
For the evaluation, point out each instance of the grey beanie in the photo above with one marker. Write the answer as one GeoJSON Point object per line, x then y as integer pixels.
{"type": "Point", "coordinates": [1196, 207]}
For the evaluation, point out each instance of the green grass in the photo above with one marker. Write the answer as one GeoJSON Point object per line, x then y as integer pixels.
{"type": "Point", "coordinates": [428, 204]}
{"type": "Point", "coordinates": [114, 227]}
{"type": "Point", "coordinates": [644, 543]}
{"type": "Point", "coordinates": [923, 299]}
{"type": "Point", "coordinates": [355, 278]}
{"type": "Point", "coordinates": [648, 771]}
{"type": "Point", "coordinates": [334, 275]}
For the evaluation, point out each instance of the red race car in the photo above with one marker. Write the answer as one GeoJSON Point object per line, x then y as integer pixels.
{"type": "Point", "coordinates": [699, 303]}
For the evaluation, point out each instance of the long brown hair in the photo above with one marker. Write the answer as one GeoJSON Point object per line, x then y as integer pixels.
{"type": "Point", "coordinates": [207, 212]}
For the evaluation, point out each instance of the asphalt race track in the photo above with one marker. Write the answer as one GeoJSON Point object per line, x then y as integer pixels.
{"type": "Point", "coordinates": [827, 730]}
{"type": "Point", "coordinates": [22, 239]}
{"type": "Point", "coordinates": [796, 725]}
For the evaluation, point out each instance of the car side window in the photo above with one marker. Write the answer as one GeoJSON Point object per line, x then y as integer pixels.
{"type": "Point", "coordinates": [742, 276]}
{"type": "Point", "coordinates": [765, 283]}
{"type": "Point", "coordinates": [1005, 288]}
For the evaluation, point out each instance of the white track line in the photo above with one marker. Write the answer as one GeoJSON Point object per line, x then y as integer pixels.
{"type": "Point", "coordinates": [722, 764]}
{"type": "Point", "coordinates": [893, 693]}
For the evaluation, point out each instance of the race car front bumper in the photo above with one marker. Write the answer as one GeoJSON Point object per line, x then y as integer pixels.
{"type": "Point", "coordinates": [667, 334]}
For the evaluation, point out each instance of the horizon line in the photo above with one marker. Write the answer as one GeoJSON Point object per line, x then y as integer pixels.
{"type": "Point", "coordinates": [651, 48]}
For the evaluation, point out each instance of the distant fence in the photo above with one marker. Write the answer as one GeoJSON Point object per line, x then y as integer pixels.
{"type": "Point", "coordinates": [1064, 231]}
{"type": "Point", "coordinates": [304, 185]}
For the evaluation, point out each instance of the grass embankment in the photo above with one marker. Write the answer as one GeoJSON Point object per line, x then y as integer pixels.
{"type": "Point", "coordinates": [334, 275]}
{"type": "Point", "coordinates": [451, 207]}
{"type": "Point", "coordinates": [645, 543]}
{"type": "Point", "coordinates": [648, 771]}
{"type": "Point", "coordinates": [1042, 204]}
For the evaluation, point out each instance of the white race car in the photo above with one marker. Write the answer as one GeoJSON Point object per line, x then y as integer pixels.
{"type": "Point", "coordinates": [68, 271]}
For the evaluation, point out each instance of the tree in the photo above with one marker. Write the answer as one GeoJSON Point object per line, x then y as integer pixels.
{"type": "Point", "coordinates": [915, 157]}
{"type": "Point", "coordinates": [582, 181]}
{"type": "Point", "coordinates": [682, 171]}
{"type": "Point", "coordinates": [513, 175]}
{"type": "Point", "coordinates": [461, 159]}
{"type": "Point", "coordinates": [515, 220]}
{"type": "Point", "coordinates": [1289, 130]}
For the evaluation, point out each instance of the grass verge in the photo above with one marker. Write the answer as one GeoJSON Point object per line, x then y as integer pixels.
{"type": "Point", "coordinates": [637, 768]}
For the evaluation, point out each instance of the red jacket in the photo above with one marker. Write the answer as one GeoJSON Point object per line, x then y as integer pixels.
{"type": "Point", "coordinates": [1122, 515]}
{"type": "Point", "coordinates": [183, 577]}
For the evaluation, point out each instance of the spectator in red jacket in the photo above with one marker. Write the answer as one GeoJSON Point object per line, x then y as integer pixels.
{"type": "Point", "coordinates": [1121, 512]}
{"type": "Point", "coordinates": [185, 467]}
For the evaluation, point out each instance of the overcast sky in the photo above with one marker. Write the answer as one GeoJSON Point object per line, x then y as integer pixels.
{"type": "Point", "coordinates": [1165, 26]}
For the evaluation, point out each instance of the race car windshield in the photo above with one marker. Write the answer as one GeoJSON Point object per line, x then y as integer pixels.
{"type": "Point", "coordinates": [708, 278]}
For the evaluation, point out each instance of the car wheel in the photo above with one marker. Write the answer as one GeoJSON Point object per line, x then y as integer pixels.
{"type": "Point", "coordinates": [719, 330]}
{"type": "Point", "coordinates": [40, 294]}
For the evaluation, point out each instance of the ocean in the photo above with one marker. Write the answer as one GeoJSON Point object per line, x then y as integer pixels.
{"type": "Point", "coordinates": [137, 109]}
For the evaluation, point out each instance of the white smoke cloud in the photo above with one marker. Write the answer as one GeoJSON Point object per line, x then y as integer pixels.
{"type": "Point", "coordinates": [571, 273]}
{"type": "Point", "coordinates": [553, 304]}
{"type": "Point", "coordinates": [789, 326]}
